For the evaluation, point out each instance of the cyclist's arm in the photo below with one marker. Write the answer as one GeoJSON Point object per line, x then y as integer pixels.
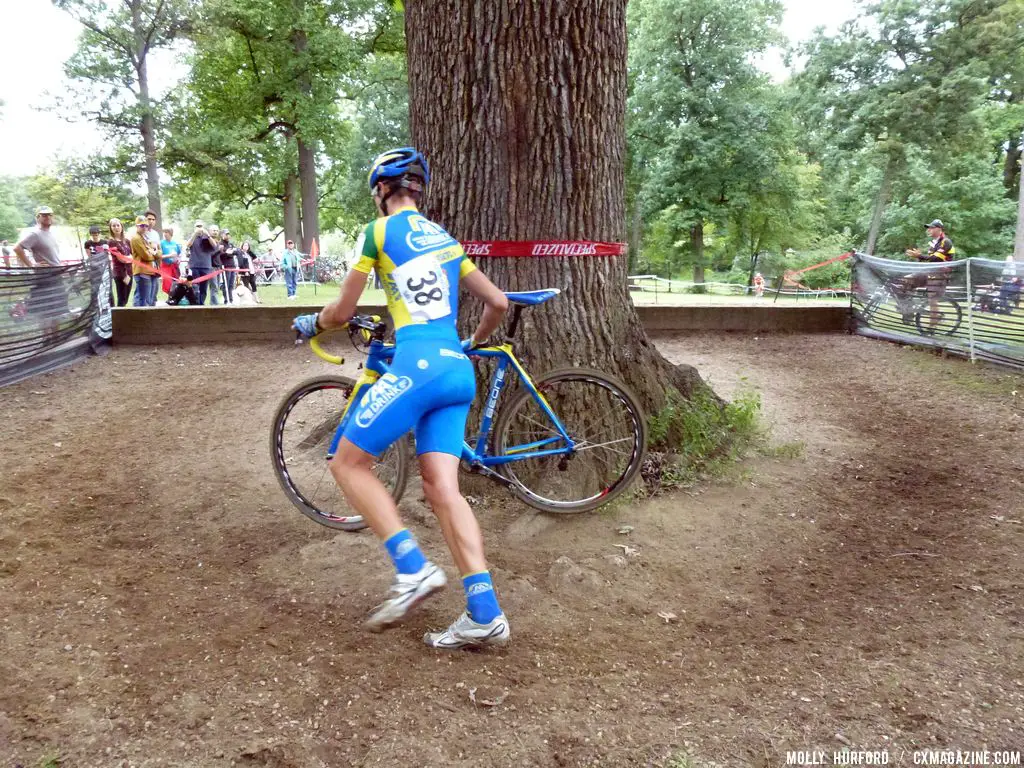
{"type": "Point", "coordinates": [341, 310]}
{"type": "Point", "coordinates": [496, 304]}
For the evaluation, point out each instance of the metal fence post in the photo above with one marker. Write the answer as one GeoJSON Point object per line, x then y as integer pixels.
{"type": "Point", "coordinates": [970, 311]}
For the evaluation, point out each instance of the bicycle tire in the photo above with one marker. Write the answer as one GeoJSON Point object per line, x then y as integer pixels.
{"type": "Point", "coordinates": [614, 391]}
{"type": "Point", "coordinates": [949, 319]}
{"type": "Point", "coordinates": [318, 436]}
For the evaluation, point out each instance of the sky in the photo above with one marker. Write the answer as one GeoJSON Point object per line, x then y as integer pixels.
{"type": "Point", "coordinates": [38, 38]}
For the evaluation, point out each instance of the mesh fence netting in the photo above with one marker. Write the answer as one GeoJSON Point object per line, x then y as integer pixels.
{"type": "Point", "coordinates": [51, 315]}
{"type": "Point", "coordinates": [970, 307]}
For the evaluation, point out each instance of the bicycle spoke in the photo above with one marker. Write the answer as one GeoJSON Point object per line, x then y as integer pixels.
{"type": "Point", "coordinates": [603, 427]}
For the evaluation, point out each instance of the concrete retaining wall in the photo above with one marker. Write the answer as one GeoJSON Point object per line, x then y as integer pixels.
{"type": "Point", "coordinates": [184, 325]}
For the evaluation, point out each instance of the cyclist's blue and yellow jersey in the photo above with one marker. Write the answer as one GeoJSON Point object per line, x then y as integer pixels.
{"type": "Point", "coordinates": [429, 385]}
{"type": "Point", "coordinates": [419, 264]}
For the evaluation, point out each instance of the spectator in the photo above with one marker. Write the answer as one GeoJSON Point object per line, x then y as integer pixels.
{"type": "Point", "coordinates": [120, 262]}
{"type": "Point", "coordinates": [170, 256]}
{"type": "Point", "coordinates": [218, 265]}
{"type": "Point", "coordinates": [247, 266]}
{"type": "Point", "coordinates": [201, 249]}
{"type": "Point", "coordinates": [47, 298]}
{"type": "Point", "coordinates": [40, 241]}
{"type": "Point", "coordinates": [290, 261]}
{"type": "Point", "coordinates": [184, 289]}
{"type": "Point", "coordinates": [269, 265]}
{"type": "Point", "coordinates": [5, 250]}
{"type": "Point", "coordinates": [152, 232]}
{"type": "Point", "coordinates": [95, 244]}
{"type": "Point", "coordinates": [145, 261]}
{"type": "Point", "coordinates": [228, 263]}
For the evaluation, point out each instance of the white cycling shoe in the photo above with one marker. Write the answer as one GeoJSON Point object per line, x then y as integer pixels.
{"type": "Point", "coordinates": [466, 633]}
{"type": "Point", "coordinates": [406, 592]}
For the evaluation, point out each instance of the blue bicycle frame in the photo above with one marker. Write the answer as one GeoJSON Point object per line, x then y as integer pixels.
{"type": "Point", "coordinates": [380, 355]}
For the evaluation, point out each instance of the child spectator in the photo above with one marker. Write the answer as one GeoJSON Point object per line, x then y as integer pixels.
{"type": "Point", "coordinates": [170, 256]}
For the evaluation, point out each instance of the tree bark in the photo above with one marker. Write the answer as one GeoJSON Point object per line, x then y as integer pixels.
{"type": "Point", "coordinates": [520, 109]}
{"type": "Point", "coordinates": [307, 152]}
{"type": "Point", "coordinates": [310, 196]}
{"type": "Point", "coordinates": [292, 229]}
{"type": "Point", "coordinates": [697, 248]}
{"type": "Point", "coordinates": [881, 201]}
{"type": "Point", "coordinates": [1011, 166]}
{"type": "Point", "coordinates": [147, 125]}
{"type": "Point", "coordinates": [1018, 240]}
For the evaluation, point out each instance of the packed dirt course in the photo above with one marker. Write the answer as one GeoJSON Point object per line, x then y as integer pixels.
{"type": "Point", "coordinates": [857, 585]}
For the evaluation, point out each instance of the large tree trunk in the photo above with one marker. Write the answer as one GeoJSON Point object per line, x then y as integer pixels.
{"type": "Point", "coordinates": [1011, 166]}
{"type": "Point", "coordinates": [307, 153]}
{"type": "Point", "coordinates": [881, 202]}
{"type": "Point", "coordinates": [1018, 240]}
{"type": "Point", "coordinates": [697, 249]}
{"type": "Point", "coordinates": [291, 208]}
{"type": "Point", "coordinates": [147, 125]}
{"type": "Point", "coordinates": [310, 196]}
{"type": "Point", "coordinates": [520, 108]}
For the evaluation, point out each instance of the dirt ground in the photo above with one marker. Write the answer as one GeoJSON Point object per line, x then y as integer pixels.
{"type": "Point", "coordinates": [163, 605]}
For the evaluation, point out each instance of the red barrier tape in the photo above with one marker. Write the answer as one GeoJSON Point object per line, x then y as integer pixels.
{"type": "Point", "coordinates": [834, 259]}
{"type": "Point", "coordinates": [541, 248]}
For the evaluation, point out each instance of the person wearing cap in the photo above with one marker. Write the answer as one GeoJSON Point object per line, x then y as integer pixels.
{"type": "Point", "coordinates": [290, 260]}
{"type": "Point", "coordinates": [40, 241]}
{"type": "Point", "coordinates": [201, 249]}
{"type": "Point", "coordinates": [145, 263]}
{"type": "Point", "coordinates": [47, 299]}
{"type": "Point", "coordinates": [170, 258]}
{"type": "Point", "coordinates": [940, 250]}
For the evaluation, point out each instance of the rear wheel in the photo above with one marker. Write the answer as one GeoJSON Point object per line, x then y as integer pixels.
{"type": "Point", "coordinates": [301, 434]}
{"type": "Point", "coordinates": [605, 421]}
{"type": "Point", "coordinates": [944, 320]}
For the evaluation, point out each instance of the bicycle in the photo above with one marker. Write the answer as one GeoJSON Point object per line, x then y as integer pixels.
{"type": "Point", "coordinates": [530, 450]}
{"type": "Point", "coordinates": [945, 320]}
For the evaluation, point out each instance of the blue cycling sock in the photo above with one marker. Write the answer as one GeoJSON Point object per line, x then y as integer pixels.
{"type": "Point", "coordinates": [481, 602]}
{"type": "Point", "coordinates": [405, 552]}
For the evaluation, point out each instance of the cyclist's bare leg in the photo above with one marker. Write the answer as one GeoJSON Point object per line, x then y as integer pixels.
{"type": "Point", "coordinates": [440, 472]}
{"type": "Point", "coordinates": [416, 578]}
{"type": "Point", "coordinates": [352, 468]}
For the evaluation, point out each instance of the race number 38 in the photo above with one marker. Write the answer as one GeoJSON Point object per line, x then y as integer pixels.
{"type": "Point", "coordinates": [423, 285]}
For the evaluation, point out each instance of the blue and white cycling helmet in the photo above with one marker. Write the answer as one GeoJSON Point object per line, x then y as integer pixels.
{"type": "Point", "coordinates": [397, 164]}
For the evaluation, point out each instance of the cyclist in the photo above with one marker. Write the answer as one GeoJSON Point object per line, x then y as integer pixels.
{"type": "Point", "coordinates": [429, 388]}
{"type": "Point", "coordinates": [940, 250]}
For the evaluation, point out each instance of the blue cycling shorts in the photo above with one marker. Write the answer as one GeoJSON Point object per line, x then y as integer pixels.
{"type": "Point", "coordinates": [429, 389]}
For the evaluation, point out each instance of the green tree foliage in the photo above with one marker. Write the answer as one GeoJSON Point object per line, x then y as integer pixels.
{"type": "Point", "coordinates": [705, 130]}
{"type": "Point", "coordinates": [79, 200]}
{"type": "Point", "coordinates": [112, 66]}
{"type": "Point", "coordinates": [903, 108]}
{"type": "Point", "coordinates": [266, 81]}
{"type": "Point", "coordinates": [15, 207]}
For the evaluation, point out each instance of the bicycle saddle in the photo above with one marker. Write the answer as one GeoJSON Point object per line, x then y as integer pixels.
{"type": "Point", "coordinates": [528, 298]}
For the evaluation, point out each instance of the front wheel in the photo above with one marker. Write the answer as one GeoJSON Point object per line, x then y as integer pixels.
{"type": "Point", "coordinates": [606, 423]}
{"type": "Point", "coordinates": [301, 434]}
{"type": "Point", "coordinates": [944, 320]}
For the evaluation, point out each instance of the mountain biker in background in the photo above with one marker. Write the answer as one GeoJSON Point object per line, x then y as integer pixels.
{"type": "Point", "coordinates": [940, 250]}
{"type": "Point", "coordinates": [429, 389]}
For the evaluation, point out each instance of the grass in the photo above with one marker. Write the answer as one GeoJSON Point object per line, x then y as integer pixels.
{"type": "Point", "coordinates": [699, 437]}
{"type": "Point", "coordinates": [792, 450]}
{"type": "Point", "coordinates": [313, 295]}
